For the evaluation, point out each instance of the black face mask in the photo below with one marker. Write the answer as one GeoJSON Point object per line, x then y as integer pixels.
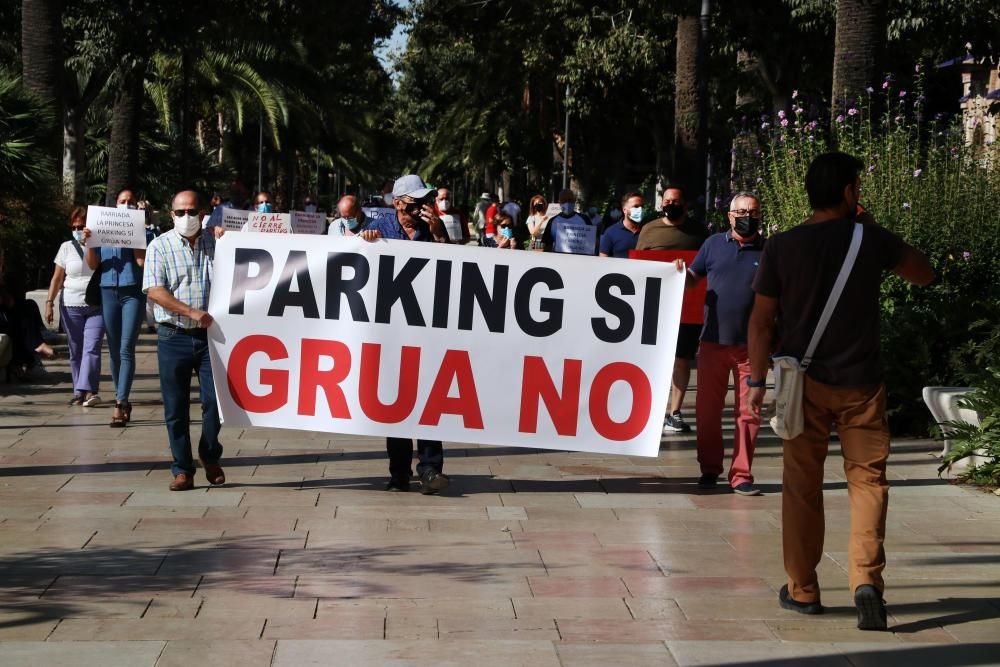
{"type": "Point", "coordinates": [538, 208]}
{"type": "Point", "coordinates": [746, 226]}
{"type": "Point", "coordinates": [674, 212]}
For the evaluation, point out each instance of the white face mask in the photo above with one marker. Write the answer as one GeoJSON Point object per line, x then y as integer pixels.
{"type": "Point", "coordinates": [387, 198]}
{"type": "Point", "coordinates": [635, 214]}
{"type": "Point", "coordinates": [128, 206]}
{"type": "Point", "coordinates": [568, 207]}
{"type": "Point", "coordinates": [444, 204]}
{"type": "Point", "coordinates": [78, 235]}
{"type": "Point", "coordinates": [187, 225]}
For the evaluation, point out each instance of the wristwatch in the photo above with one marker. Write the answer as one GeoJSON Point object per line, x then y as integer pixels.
{"type": "Point", "coordinates": [756, 384]}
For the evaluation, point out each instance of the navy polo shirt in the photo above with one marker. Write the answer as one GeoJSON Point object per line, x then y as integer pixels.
{"type": "Point", "coordinates": [618, 239]}
{"type": "Point", "coordinates": [730, 268]}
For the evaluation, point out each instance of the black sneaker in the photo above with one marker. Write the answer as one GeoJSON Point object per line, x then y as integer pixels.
{"type": "Point", "coordinates": [871, 608]}
{"type": "Point", "coordinates": [708, 481]}
{"type": "Point", "coordinates": [431, 482]}
{"type": "Point", "coordinates": [675, 424]}
{"type": "Point", "coordinates": [746, 489]}
{"type": "Point", "coordinates": [786, 602]}
{"type": "Point", "coordinates": [398, 485]}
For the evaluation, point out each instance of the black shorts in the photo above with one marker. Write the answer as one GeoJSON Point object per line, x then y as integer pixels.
{"type": "Point", "coordinates": [687, 341]}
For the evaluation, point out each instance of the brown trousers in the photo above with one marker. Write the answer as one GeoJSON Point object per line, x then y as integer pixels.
{"type": "Point", "coordinates": [859, 416]}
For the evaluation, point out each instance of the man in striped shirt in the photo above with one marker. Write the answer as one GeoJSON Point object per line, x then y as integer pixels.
{"type": "Point", "coordinates": [177, 279]}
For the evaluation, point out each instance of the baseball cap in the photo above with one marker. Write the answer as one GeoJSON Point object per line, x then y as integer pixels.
{"type": "Point", "coordinates": [410, 185]}
{"type": "Point", "coordinates": [485, 195]}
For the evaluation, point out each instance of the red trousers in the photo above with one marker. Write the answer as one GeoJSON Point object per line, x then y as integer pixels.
{"type": "Point", "coordinates": [715, 364]}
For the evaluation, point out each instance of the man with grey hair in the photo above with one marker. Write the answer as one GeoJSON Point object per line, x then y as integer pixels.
{"type": "Point", "coordinates": [729, 260]}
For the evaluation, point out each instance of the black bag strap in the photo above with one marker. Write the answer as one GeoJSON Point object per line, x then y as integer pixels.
{"type": "Point", "coordinates": [78, 248]}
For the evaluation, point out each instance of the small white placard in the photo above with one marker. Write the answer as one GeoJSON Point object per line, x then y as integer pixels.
{"type": "Point", "coordinates": [233, 219]}
{"type": "Point", "coordinates": [308, 223]}
{"type": "Point", "coordinates": [116, 227]}
{"type": "Point", "coordinates": [269, 223]}
{"type": "Point", "coordinates": [574, 238]}
{"type": "Point", "coordinates": [453, 225]}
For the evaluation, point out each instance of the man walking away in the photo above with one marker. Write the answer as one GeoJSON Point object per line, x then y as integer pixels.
{"type": "Point", "coordinates": [843, 383]}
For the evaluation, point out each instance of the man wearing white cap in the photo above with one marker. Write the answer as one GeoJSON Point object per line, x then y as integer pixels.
{"type": "Point", "coordinates": [415, 216]}
{"type": "Point", "coordinates": [415, 221]}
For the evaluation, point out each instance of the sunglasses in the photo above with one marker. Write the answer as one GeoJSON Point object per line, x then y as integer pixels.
{"type": "Point", "coordinates": [78, 228]}
{"type": "Point", "coordinates": [178, 212]}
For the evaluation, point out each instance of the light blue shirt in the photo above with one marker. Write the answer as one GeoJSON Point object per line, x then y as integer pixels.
{"type": "Point", "coordinates": [118, 268]}
{"type": "Point", "coordinates": [183, 271]}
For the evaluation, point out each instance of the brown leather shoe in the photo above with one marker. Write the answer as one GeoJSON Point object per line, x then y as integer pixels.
{"type": "Point", "coordinates": [214, 473]}
{"type": "Point", "coordinates": [182, 482]}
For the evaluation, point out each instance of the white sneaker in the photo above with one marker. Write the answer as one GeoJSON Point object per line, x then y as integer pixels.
{"type": "Point", "coordinates": [91, 402]}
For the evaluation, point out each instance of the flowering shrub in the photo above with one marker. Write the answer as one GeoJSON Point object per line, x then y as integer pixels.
{"type": "Point", "coordinates": [922, 182]}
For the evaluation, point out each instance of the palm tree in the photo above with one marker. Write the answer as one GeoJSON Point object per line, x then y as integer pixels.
{"type": "Point", "coordinates": [25, 123]}
{"type": "Point", "coordinates": [123, 149]}
{"type": "Point", "coordinates": [861, 33]}
{"type": "Point", "coordinates": [41, 60]}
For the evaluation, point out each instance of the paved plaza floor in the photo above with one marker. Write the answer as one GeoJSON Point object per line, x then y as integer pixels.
{"type": "Point", "coordinates": [530, 558]}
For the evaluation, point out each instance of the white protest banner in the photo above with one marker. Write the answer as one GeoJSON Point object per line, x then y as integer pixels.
{"type": "Point", "coordinates": [116, 227]}
{"type": "Point", "coordinates": [308, 223]}
{"type": "Point", "coordinates": [233, 219]}
{"type": "Point", "coordinates": [575, 238]}
{"type": "Point", "coordinates": [268, 223]}
{"type": "Point", "coordinates": [553, 210]}
{"type": "Point", "coordinates": [429, 340]}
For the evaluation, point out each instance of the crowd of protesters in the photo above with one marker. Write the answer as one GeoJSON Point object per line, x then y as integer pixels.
{"type": "Point", "coordinates": [763, 296]}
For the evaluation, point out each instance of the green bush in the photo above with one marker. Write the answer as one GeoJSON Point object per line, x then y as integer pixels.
{"type": "Point", "coordinates": [924, 183]}
{"type": "Point", "coordinates": [32, 216]}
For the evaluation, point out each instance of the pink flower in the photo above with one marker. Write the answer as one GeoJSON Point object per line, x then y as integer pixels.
{"type": "Point", "coordinates": [852, 112]}
{"type": "Point", "coordinates": [795, 94]}
{"type": "Point", "coordinates": [784, 122]}
{"type": "Point", "coordinates": [917, 172]}
{"type": "Point", "coordinates": [885, 84]}
{"type": "Point", "coordinates": [902, 93]}
{"type": "Point", "coordinates": [840, 118]}
{"type": "Point", "coordinates": [781, 114]}
{"type": "Point", "coordinates": [966, 255]}
{"type": "Point", "coordinates": [916, 68]}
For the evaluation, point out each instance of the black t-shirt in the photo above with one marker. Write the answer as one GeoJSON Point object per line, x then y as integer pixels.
{"type": "Point", "coordinates": [799, 268]}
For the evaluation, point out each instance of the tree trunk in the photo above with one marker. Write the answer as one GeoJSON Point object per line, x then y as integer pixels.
{"type": "Point", "coordinates": [861, 34]}
{"type": "Point", "coordinates": [123, 148]}
{"type": "Point", "coordinates": [42, 63]}
{"type": "Point", "coordinates": [74, 163]}
{"type": "Point", "coordinates": [687, 104]}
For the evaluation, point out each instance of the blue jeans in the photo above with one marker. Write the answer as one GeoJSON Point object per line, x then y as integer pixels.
{"type": "Point", "coordinates": [430, 457]}
{"type": "Point", "coordinates": [123, 309]}
{"type": "Point", "coordinates": [179, 354]}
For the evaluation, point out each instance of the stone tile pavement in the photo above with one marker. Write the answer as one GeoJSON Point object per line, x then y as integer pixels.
{"type": "Point", "coordinates": [531, 558]}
